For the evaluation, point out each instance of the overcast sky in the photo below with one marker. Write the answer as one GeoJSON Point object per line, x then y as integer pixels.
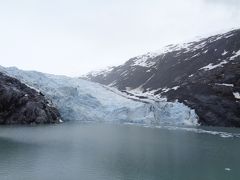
{"type": "Point", "coordinates": [73, 37]}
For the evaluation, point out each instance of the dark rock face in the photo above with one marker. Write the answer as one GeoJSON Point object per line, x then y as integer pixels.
{"type": "Point", "coordinates": [20, 104]}
{"type": "Point", "coordinates": [204, 75]}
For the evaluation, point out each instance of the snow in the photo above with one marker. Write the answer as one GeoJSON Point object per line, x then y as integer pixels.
{"type": "Point", "coordinates": [211, 66]}
{"type": "Point", "coordinates": [100, 72]}
{"type": "Point", "coordinates": [171, 48]}
{"type": "Point", "coordinates": [143, 60]}
{"type": "Point", "coordinates": [146, 60]}
{"type": "Point", "coordinates": [33, 88]}
{"type": "Point", "coordinates": [228, 36]}
{"type": "Point", "coordinates": [196, 55]}
{"type": "Point", "coordinates": [78, 99]}
{"type": "Point", "coordinates": [165, 89]}
{"type": "Point", "coordinates": [236, 55]}
{"type": "Point", "coordinates": [175, 87]}
{"type": "Point", "coordinates": [224, 53]}
{"type": "Point", "coordinates": [113, 83]}
{"type": "Point", "coordinates": [124, 73]}
{"type": "Point", "coordinates": [236, 95]}
{"type": "Point", "coordinates": [224, 84]}
{"type": "Point", "coordinates": [149, 94]}
{"type": "Point", "coordinates": [147, 80]}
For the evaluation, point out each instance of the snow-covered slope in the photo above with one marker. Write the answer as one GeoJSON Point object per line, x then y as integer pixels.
{"type": "Point", "coordinates": [159, 69]}
{"type": "Point", "coordinates": [79, 99]}
{"type": "Point", "coordinates": [101, 72]}
{"type": "Point", "coordinates": [195, 73]}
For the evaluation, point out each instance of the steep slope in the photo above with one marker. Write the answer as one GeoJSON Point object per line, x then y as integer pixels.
{"type": "Point", "coordinates": [82, 100]}
{"type": "Point", "coordinates": [204, 75]}
{"type": "Point", "coordinates": [20, 104]}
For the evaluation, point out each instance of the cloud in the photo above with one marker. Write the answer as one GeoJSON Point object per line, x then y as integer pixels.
{"type": "Point", "coordinates": [234, 3]}
{"type": "Point", "coordinates": [76, 36]}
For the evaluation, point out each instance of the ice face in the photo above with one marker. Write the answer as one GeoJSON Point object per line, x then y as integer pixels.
{"type": "Point", "coordinates": [82, 100]}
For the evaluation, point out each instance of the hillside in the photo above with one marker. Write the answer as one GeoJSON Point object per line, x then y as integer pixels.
{"type": "Point", "coordinates": [204, 75]}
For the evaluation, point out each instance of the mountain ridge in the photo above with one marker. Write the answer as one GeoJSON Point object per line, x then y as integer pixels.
{"type": "Point", "coordinates": [204, 75]}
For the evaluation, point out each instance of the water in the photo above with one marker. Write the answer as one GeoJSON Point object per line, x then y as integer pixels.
{"type": "Point", "coordinates": [75, 151]}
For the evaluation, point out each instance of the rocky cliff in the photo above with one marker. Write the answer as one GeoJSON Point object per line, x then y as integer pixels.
{"type": "Point", "coordinates": [20, 104]}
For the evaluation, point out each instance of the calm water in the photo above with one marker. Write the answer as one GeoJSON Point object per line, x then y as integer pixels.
{"type": "Point", "coordinates": [116, 152]}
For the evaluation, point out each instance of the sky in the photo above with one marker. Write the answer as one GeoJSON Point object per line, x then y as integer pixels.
{"type": "Point", "coordinates": [73, 37]}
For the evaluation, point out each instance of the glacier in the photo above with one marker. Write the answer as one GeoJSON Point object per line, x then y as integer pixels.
{"type": "Point", "coordinates": [82, 100]}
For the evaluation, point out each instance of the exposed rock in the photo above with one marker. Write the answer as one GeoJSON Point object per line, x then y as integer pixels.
{"type": "Point", "coordinates": [205, 75]}
{"type": "Point", "coordinates": [19, 104]}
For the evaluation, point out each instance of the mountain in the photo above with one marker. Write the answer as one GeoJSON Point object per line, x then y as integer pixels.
{"type": "Point", "coordinates": [204, 75]}
{"type": "Point", "coordinates": [20, 104]}
{"type": "Point", "coordinates": [78, 99]}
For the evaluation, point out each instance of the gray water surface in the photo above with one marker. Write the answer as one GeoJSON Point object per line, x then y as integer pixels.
{"type": "Point", "coordinates": [75, 151]}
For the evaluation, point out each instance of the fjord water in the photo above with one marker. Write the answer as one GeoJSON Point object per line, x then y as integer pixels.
{"type": "Point", "coordinates": [116, 152]}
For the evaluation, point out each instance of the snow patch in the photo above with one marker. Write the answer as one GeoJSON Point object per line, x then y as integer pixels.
{"type": "Point", "coordinates": [224, 84]}
{"type": "Point", "coordinates": [236, 95]}
{"type": "Point", "coordinates": [211, 66]}
{"type": "Point", "coordinates": [100, 72]}
{"type": "Point", "coordinates": [124, 73]}
{"type": "Point", "coordinates": [224, 52]}
{"type": "Point", "coordinates": [113, 83]}
{"type": "Point", "coordinates": [228, 36]}
{"type": "Point", "coordinates": [196, 55]}
{"type": "Point", "coordinates": [165, 89]}
{"type": "Point", "coordinates": [31, 87]}
{"type": "Point", "coordinates": [144, 60]}
{"type": "Point", "coordinates": [236, 55]}
{"type": "Point", "coordinates": [175, 87]}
